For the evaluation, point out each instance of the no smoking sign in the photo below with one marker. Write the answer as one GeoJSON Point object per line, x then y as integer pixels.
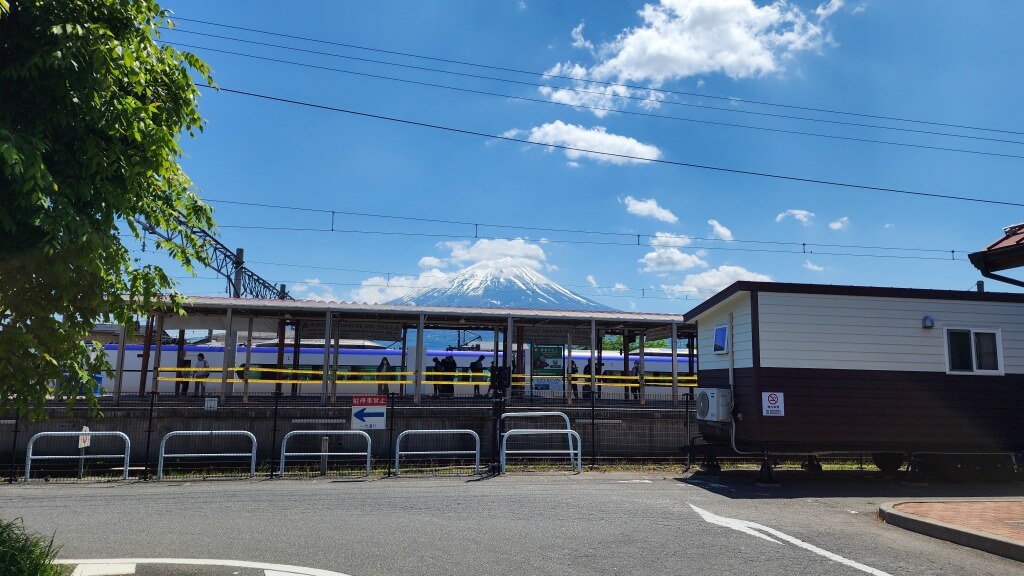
{"type": "Point", "coordinates": [773, 404]}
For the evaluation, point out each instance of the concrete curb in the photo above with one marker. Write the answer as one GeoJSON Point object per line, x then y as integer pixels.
{"type": "Point", "coordinates": [991, 543]}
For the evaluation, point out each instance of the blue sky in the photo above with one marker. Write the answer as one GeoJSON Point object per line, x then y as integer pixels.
{"type": "Point", "coordinates": [948, 62]}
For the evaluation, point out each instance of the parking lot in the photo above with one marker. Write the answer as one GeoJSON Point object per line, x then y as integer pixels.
{"type": "Point", "coordinates": [551, 524]}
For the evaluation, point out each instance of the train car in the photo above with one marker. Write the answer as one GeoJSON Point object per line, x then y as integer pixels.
{"type": "Point", "coordinates": [357, 371]}
{"type": "Point", "coordinates": [805, 369]}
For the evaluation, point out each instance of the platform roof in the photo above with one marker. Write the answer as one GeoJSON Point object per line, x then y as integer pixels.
{"type": "Point", "coordinates": [210, 312]}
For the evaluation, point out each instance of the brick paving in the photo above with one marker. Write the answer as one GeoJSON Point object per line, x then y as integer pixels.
{"type": "Point", "coordinates": [1000, 517]}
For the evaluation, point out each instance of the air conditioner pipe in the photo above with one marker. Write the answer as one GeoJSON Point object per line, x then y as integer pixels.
{"type": "Point", "coordinates": [732, 387]}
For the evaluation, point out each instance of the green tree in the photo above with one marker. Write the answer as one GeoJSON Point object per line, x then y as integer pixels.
{"type": "Point", "coordinates": [91, 110]}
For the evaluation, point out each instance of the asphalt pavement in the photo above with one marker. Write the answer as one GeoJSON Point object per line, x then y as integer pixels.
{"type": "Point", "coordinates": [593, 523]}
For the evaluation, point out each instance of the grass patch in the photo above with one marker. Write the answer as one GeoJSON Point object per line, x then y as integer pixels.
{"type": "Point", "coordinates": [23, 553]}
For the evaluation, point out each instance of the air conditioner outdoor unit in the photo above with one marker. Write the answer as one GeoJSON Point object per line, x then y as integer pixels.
{"type": "Point", "coordinates": [713, 404]}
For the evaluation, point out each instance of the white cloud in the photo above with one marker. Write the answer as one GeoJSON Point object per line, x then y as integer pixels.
{"type": "Point", "coordinates": [888, 226]}
{"type": "Point", "coordinates": [578, 41]}
{"type": "Point", "coordinates": [670, 239]}
{"type": "Point", "coordinates": [713, 280]}
{"type": "Point", "coordinates": [521, 5]}
{"type": "Point", "coordinates": [591, 280]}
{"type": "Point", "coordinates": [859, 9]}
{"type": "Point", "coordinates": [430, 262]}
{"type": "Point", "coordinates": [663, 259]}
{"type": "Point", "coordinates": [313, 289]}
{"type": "Point", "coordinates": [516, 252]}
{"type": "Point", "coordinates": [649, 208]}
{"type": "Point", "coordinates": [379, 289]}
{"type": "Point", "coordinates": [572, 164]}
{"type": "Point", "coordinates": [802, 216]}
{"type": "Point", "coordinates": [719, 231]}
{"type": "Point", "coordinates": [825, 10]}
{"type": "Point", "coordinates": [619, 287]}
{"type": "Point", "coordinates": [813, 267]}
{"type": "Point", "coordinates": [598, 139]}
{"type": "Point", "coordinates": [681, 38]}
{"type": "Point", "coordinates": [700, 83]}
{"type": "Point", "coordinates": [840, 224]}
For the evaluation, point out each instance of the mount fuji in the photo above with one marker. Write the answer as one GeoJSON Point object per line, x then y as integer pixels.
{"type": "Point", "coordinates": [493, 285]}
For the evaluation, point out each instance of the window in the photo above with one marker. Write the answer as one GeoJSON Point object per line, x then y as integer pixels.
{"type": "Point", "coordinates": [721, 343]}
{"type": "Point", "coordinates": [971, 351]}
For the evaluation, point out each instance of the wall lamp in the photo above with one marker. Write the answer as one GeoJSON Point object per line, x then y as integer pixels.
{"type": "Point", "coordinates": [927, 323]}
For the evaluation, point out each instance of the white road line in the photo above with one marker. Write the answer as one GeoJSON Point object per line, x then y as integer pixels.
{"type": "Point", "coordinates": [267, 568]}
{"type": "Point", "coordinates": [634, 481]}
{"type": "Point", "coordinates": [109, 569]}
{"type": "Point", "coordinates": [762, 531]}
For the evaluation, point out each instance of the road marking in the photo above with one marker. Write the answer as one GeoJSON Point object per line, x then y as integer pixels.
{"type": "Point", "coordinates": [282, 569]}
{"type": "Point", "coordinates": [104, 570]}
{"type": "Point", "coordinates": [762, 531]}
{"type": "Point", "coordinates": [634, 481]}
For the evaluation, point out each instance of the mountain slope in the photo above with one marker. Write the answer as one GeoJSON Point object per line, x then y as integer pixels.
{"type": "Point", "coordinates": [488, 285]}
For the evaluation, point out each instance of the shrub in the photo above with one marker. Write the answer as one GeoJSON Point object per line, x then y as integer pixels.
{"type": "Point", "coordinates": [23, 553]}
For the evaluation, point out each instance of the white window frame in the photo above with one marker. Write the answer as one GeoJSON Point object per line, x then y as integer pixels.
{"type": "Point", "coordinates": [714, 333]}
{"type": "Point", "coordinates": [974, 358]}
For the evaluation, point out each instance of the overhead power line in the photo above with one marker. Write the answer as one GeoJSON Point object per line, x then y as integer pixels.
{"type": "Point", "coordinates": [589, 107]}
{"type": "Point", "coordinates": [599, 82]}
{"type": "Point", "coordinates": [951, 257]}
{"type": "Point", "coordinates": [478, 225]}
{"type": "Point", "coordinates": [723, 169]}
{"type": "Point", "coordinates": [604, 94]}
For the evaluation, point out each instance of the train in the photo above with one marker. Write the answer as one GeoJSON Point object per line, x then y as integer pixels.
{"type": "Point", "coordinates": [357, 369]}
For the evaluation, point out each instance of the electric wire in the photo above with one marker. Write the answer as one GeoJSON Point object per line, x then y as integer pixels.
{"type": "Point", "coordinates": [562, 230]}
{"type": "Point", "coordinates": [597, 108]}
{"type": "Point", "coordinates": [596, 92]}
{"type": "Point", "coordinates": [600, 82]}
{"type": "Point", "coordinates": [709, 167]}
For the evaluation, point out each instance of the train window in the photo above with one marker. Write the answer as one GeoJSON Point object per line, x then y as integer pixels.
{"type": "Point", "coordinates": [721, 342]}
{"type": "Point", "coordinates": [970, 351]}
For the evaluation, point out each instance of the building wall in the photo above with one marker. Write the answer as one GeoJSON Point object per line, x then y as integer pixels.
{"type": "Point", "coordinates": [739, 305]}
{"type": "Point", "coordinates": [871, 333]}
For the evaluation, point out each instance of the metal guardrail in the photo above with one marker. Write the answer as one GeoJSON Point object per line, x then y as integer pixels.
{"type": "Point", "coordinates": [578, 452]}
{"type": "Point", "coordinates": [29, 456]}
{"type": "Point", "coordinates": [476, 452]}
{"type": "Point", "coordinates": [561, 415]}
{"type": "Point", "coordinates": [368, 453]}
{"type": "Point", "coordinates": [163, 447]}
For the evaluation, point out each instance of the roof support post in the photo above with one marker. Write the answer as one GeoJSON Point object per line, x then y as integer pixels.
{"type": "Point", "coordinates": [122, 340]}
{"type": "Point", "coordinates": [508, 343]}
{"type": "Point", "coordinates": [567, 383]}
{"type": "Point", "coordinates": [418, 383]}
{"type": "Point", "coordinates": [334, 365]}
{"type": "Point", "coordinates": [229, 355]}
{"type": "Point", "coordinates": [593, 365]}
{"type": "Point", "coordinates": [675, 366]}
{"type": "Point", "coordinates": [159, 333]}
{"type": "Point", "coordinates": [248, 363]}
{"type": "Point", "coordinates": [325, 368]}
{"type": "Point", "coordinates": [641, 381]}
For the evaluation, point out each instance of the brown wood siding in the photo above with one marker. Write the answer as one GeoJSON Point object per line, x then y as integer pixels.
{"type": "Point", "coordinates": [854, 410]}
{"type": "Point", "coordinates": [873, 411]}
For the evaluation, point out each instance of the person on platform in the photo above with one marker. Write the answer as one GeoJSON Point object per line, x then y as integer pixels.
{"type": "Point", "coordinates": [573, 371]}
{"type": "Point", "coordinates": [438, 367]}
{"type": "Point", "coordinates": [202, 372]}
{"type": "Point", "coordinates": [382, 375]}
{"type": "Point", "coordinates": [476, 369]}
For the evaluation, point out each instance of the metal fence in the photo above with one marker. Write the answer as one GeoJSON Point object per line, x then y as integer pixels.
{"type": "Point", "coordinates": [612, 431]}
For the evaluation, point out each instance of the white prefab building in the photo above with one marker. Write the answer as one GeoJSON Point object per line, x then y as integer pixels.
{"type": "Point", "coordinates": [818, 368]}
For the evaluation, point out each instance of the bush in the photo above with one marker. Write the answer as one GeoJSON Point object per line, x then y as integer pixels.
{"type": "Point", "coordinates": [25, 554]}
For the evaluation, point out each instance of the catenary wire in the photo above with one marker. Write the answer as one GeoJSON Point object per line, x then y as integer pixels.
{"type": "Point", "coordinates": [597, 108]}
{"type": "Point", "coordinates": [723, 169]}
{"type": "Point", "coordinates": [600, 82]}
{"type": "Point", "coordinates": [563, 230]}
{"type": "Point", "coordinates": [620, 96]}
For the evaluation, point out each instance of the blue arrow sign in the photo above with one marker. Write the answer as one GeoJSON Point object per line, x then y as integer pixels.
{"type": "Point", "coordinates": [362, 414]}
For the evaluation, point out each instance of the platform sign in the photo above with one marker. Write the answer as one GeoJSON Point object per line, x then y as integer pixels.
{"type": "Point", "coordinates": [84, 439]}
{"type": "Point", "coordinates": [773, 404]}
{"type": "Point", "coordinates": [369, 412]}
{"type": "Point", "coordinates": [356, 330]}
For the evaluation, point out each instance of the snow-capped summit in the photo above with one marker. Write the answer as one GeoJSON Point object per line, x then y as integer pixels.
{"type": "Point", "coordinates": [500, 285]}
